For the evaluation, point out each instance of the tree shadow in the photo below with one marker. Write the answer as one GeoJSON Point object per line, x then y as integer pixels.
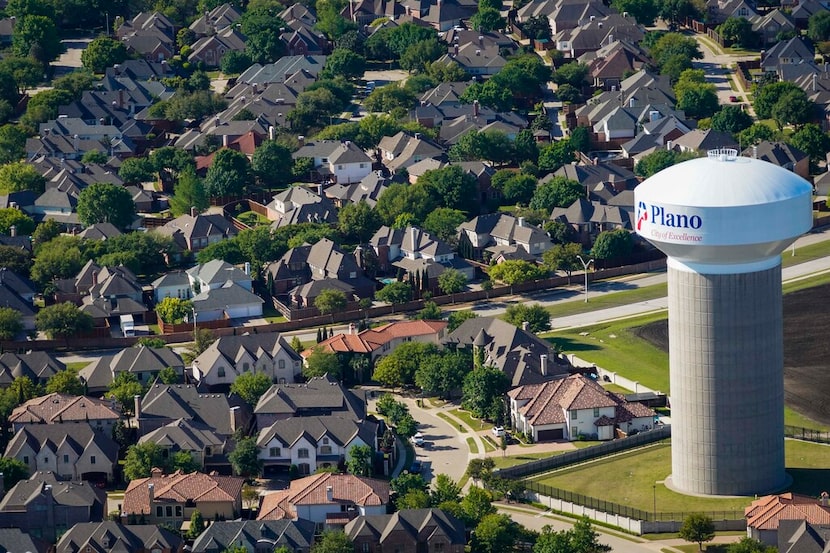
{"type": "Point", "coordinates": [809, 482]}
{"type": "Point", "coordinates": [570, 345]}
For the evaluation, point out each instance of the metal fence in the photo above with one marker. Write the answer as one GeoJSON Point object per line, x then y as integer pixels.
{"type": "Point", "coordinates": [807, 434]}
{"type": "Point", "coordinates": [580, 455]}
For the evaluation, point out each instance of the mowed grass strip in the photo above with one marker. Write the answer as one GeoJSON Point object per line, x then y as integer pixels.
{"type": "Point", "coordinates": [630, 479]}
{"type": "Point", "coordinates": [605, 301]}
{"type": "Point", "coordinates": [624, 353]}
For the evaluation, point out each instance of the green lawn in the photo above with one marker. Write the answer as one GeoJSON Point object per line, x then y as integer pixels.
{"type": "Point", "coordinates": [511, 460]}
{"type": "Point", "coordinates": [806, 253]}
{"type": "Point", "coordinates": [253, 219]}
{"type": "Point", "coordinates": [793, 418]}
{"type": "Point", "coordinates": [451, 420]}
{"type": "Point", "coordinates": [565, 309]}
{"type": "Point", "coordinates": [635, 474]}
{"type": "Point", "coordinates": [77, 365]}
{"type": "Point", "coordinates": [489, 445]}
{"type": "Point", "coordinates": [467, 417]}
{"type": "Point", "coordinates": [471, 443]}
{"type": "Point", "coordinates": [611, 387]}
{"type": "Point", "coordinates": [272, 315]}
{"type": "Point", "coordinates": [804, 283]}
{"type": "Point", "coordinates": [625, 353]}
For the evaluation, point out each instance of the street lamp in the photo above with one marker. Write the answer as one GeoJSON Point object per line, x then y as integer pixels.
{"type": "Point", "coordinates": [194, 322]}
{"type": "Point", "coordinates": [654, 488]}
{"type": "Point", "coordinates": [585, 269]}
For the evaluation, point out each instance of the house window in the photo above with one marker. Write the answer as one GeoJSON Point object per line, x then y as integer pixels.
{"type": "Point", "coordinates": [169, 510]}
{"type": "Point", "coordinates": [366, 547]}
{"type": "Point", "coordinates": [281, 363]}
{"type": "Point", "coordinates": [596, 411]}
{"type": "Point", "coordinates": [46, 459]}
{"type": "Point", "coordinates": [92, 459]}
{"type": "Point", "coordinates": [325, 450]}
{"type": "Point", "coordinates": [245, 366]}
{"type": "Point", "coordinates": [179, 511]}
{"type": "Point", "coordinates": [221, 372]}
{"type": "Point", "coordinates": [438, 548]}
{"type": "Point", "coordinates": [274, 452]}
{"type": "Point", "coordinates": [362, 165]}
{"type": "Point", "coordinates": [159, 511]}
{"type": "Point", "coordinates": [325, 441]}
{"type": "Point", "coordinates": [573, 415]}
{"type": "Point", "coordinates": [26, 459]}
{"type": "Point", "coordinates": [302, 453]}
{"type": "Point", "coordinates": [66, 458]}
{"type": "Point", "coordinates": [324, 160]}
{"type": "Point", "coordinates": [339, 167]}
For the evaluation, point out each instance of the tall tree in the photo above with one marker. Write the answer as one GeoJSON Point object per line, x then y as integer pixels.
{"type": "Point", "coordinates": [359, 460]}
{"type": "Point", "coordinates": [103, 52]}
{"type": "Point", "coordinates": [358, 221]}
{"type": "Point", "coordinates": [330, 301]}
{"type": "Point", "coordinates": [483, 391]}
{"type": "Point", "coordinates": [250, 386]}
{"type": "Point", "coordinates": [65, 382]}
{"type": "Point", "coordinates": [333, 541]}
{"type": "Point", "coordinates": [697, 528]}
{"type": "Point", "coordinates": [103, 202]}
{"type": "Point", "coordinates": [245, 458]}
{"type": "Point", "coordinates": [452, 281]}
{"type": "Point", "coordinates": [188, 193]}
{"type": "Point", "coordinates": [271, 163]}
{"type": "Point", "coordinates": [38, 37]}
{"type": "Point", "coordinates": [62, 320]}
{"type": "Point", "coordinates": [229, 175]}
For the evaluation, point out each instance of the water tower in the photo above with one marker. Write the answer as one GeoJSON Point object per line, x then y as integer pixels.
{"type": "Point", "coordinates": [723, 222]}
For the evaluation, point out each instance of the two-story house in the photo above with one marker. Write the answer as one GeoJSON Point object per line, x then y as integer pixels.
{"type": "Point", "coordinates": [46, 507]}
{"type": "Point", "coordinates": [406, 148]}
{"type": "Point", "coordinates": [295, 535]}
{"type": "Point", "coordinates": [341, 162]}
{"type": "Point", "coordinates": [144, 362]}
{"type": "Point", "coordinates": [322, 395]}
{"type": "Point", "coordinates": [194, 232]}
{"type": "Point", "coordinates": [572, 407]}
{"type": "Point", "coordinates": [408, 531]}
{"type": "Point", "coordinates": [497, 232]}
{"type": "Point", "coordinates": [113, 536]}
{"type": "Point", "coordinates": [166, 403]}
{"type": "Point", "coordinates": [172, 498]}
{"type": "Point", "coordinates": [230, 356]}
{"type": "Point", "coordinates": [381, 340]}
{"type": "Point", "coordinates": [220, 290]}
{"type": "Point", "coordinates": [38, 366]}
{"type": "Point", "coordinates": [327, 499]}
{"type": "Point", "coordinates": [58, 408]}
{"type": "Point", "coordinates": [415, 250]}
{"type": "Point", "coordinates": [204, 445]}
{"type": "Point", "coordinates": [300, 205]}
{"type": "Point", "coordinates": [71, 450]}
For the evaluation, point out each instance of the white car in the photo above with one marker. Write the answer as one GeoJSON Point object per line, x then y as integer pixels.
{"type": "Point", "coordinates": [418, 439]}
{"type": "Point", "coordinates": [498, 431]}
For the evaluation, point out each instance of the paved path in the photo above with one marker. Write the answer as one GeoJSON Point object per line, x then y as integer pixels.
{"type": "Point", "coordinates": [717, 66]}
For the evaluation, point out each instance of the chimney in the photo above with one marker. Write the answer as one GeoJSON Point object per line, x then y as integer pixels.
{"type": "Point", "coordinates": [455, 50]}
{"type": "Point", "coordinates": [137, 408]}
{"type": "Point", "coordinates": [193, 211]}
{"type": "Point", "coordinates": [413, 235]}
{"type": "Point", "coordinates": [13, 231]}
{"type": "Point", "coordinates": [543, 364]}
{"type": "Point", "coordinates": [352, 328]}
{"type": "Point", "coordinates": [301, 140]}
{"type": "Point", "coordinates": [151, 493]}
{"type": "Point", "coordinates": [814, 81]}
{"type": "Point", "coordinates": [475, 108]}
{"type": "Point", "coordinates": [521, 221]}
{"type": "Point", "coordinates": [669, 144]}
{"type": "Point", "coordinates": [225, 140]}
{"type": "Point", "coordinates": [94, 278]}
{"type": "Point", "coordinates": [320, 189]}
{"type": "Point", "coordinates": [525, 326]}
{"type": "Point", "coordinates": [594, 160]}
{"type": "Point", "coordinates": [76, 142]}
{"type": "Point", "coordinates": [478, 52]}
{"type": "Point", "coordinates": [329, 493]}
{"type": "Point", "coordinates": [481, 40]}
{"type": "Point", "coordinates": [272, 133]}
{"type": "Point", "coordinates": [2, 485]}
{"type": "Point", "coordinates": [754, 151]}
{"type": "Point", "coordinates": [248, 268]}
{"type": "Point", "coordinates": [631, 102]}
{"type": "Point", "coordinates": [234, 418]}
{"type": "Point", "coordinates": [50, 506]}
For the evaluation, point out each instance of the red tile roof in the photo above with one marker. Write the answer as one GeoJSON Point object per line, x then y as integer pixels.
{"type": "Point", "coordinates": [373, 339]}
{"type": "Point", "coordinates": [178, 488]}
{"type": "Point", "coordinates": [312, 490]}
{"type": "Point", "coordinates": [766, 512]}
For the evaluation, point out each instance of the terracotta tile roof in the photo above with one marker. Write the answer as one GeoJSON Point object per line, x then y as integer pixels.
{"type": "Point", "coordinates": [63, 408]}
{"type": "Point", "coordinates": [178, 488]}
{"type": "Point", "coordinates": [373, 339]}
{"type": "Point", "coordinates": [312, 490]}
{"type": "Point", "coordinates": [766, 512]}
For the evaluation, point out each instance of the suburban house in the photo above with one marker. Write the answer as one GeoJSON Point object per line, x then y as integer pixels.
{"type": "Point", "coordinates": [38, 366]}
{"type": "Point", "coordinates": [765, 515]}
{"type": "Point", "coordinates": [210, 50]}
{"type": "Point", "coordinates": [327, 498]}
{"type": "Point", "coordinates": [218, 18]}
{"type": "Point", "coordinates": [172, 498]}
{"type": "Point", "coordinates": [300, 205]}
{"type": "Point", "coordinates": [588, 218]}
{"type": "Point", "coordinates": [221, 291]}
{"type": "Point", "coordinates": [175, 284]}
{"type": "Point", "coordinates": [167, 403]}
{"type": "Point", "coordinates": [230, 356]}
{"type": "Point", "coordinates": [295, 535]}
{"type": "Point", "coordinates": [781, 154]}
{"type": "Point", "coordinates": [378, 341]}
{"type": "Point", "coordinates": [46, 507]}
{"type": "Point", "coordinates": [407, 530]}
{"type": "Point", "coordinates": [336, 161]}
{"type": "Point", "coordinates": [494, 232]}
{"type": "Point", "coordinates": [475, 59]}
{"type": "Point", "coordinates": [144, 362]}
{"type": "Point", "coordinates": [800, 536]}
{"type": "Point", "coordinates": [18, 293]}
{"type": "Point", "coordinates": [404, 149]}
{"type": "Point", "coordinates": [794, 51]}
{"type": "Point", "coordinates": [520, 354]}
{"type": "Point", "coordinates": [195, 232]}
{"type": "Point", "coordinates": [71, 450]}
{"type": "Point", "coordinates": [150, 35]}
{"type": "Point", "coordinates": [113, 536]}
{"type": "Point", "coordinates": [322, 395]}
{"type": "Point", "coordinates": [115, 292]}
{"type": "Point", "coordinates": [15, 539]}
{"type": "Point", "coordinates": [311, 443]}
{"type": "Point", "coordinates": [572, 407]}
{"type": "Point", "coordinates": [59, 408]}
{"type": "Point", "coordinates": [414, 250]}
{"type": "Point", "coordinates": [204, 445]}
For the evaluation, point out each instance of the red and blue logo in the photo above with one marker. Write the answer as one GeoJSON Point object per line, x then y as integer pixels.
{"type": "Point", "coordinates": [642, 214]}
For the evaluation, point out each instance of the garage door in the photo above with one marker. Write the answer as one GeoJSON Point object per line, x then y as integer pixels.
{"type": "Point", "coordinates": [548, 435]}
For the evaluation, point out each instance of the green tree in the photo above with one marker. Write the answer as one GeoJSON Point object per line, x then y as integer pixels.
{"type": "Point", "coordinates": [358, 221]}
{"type": "Point", "coordinates": [563, 257]}
{"type": "Point", "coordinates": [672, 46]}
{"type": "Point", "coordinates": [16, 259]}
{"type": "Point", "coordinates": [387, 98]}
{"type": "Point", "coordinates": [61, 257]}
{"type": "Point", "coordinates": [694, 95]}
{"type": "Point", "coordinates": [250, 386]}
{"type": "Point", "coordinates": [103, 52]}
{"type": "Point", "coordinates": [245, 458]}
{"type": "Point", "coordinates": [123, 388]}
{"type": "Point", "coordinates": [430, 312]}
{"type": "Point", "coordinates": [62, 320]}
{"type": "Point", "coordinates": [65, 382]}
{"type": "Point", "coordinates": [271, 164]}
{"type": "Point", "coordinates": [793, 108]}
{"type": "Point", "coordinates": [141, 459]}
{"type": "Point", "coordinates": [535, 315]}
{"type": "Point", "coordinates": [767, 96]}
{"type": "Point", "coordinates": [612, 244]}
{"type": "Point", "coordinates": [202, 339]}
{"type": "Point", "coordinates": [103, 202]}
{"type": "Point", "coordinates": [229, 175]}
{"type": "Point", "coordinates": [731, 119]}
{"type": "Point", "coordinates": [27, 72]}
{"type": "Point", "coordinates": [402, 198]}
{"type": "Point", "coordinates": [738, 30]}
{"type": "Point", "coordinates": [749, 545]}
{"type": "Point", "coordinates": [322, 362]}
{"type": "Point", "coordinates": [183, 461]}
{"type": "Point", "coordinates": [197, 525]}
{"type": "Point", "coordinates": [443, 374]}
{"type": "Point", "coordinates": [174, 310]}
{"type": "Point", "coordinates": [136, 170]}
{"type": "Point", "coordinates": [342, 62]}
{"type": "Point", "coordinates": [262, 32]}
{"type": "Point", "coordinates": [443, 222]}
{"type": "Point", "coordinates": [655, 162]}
{"type": "Point", "coordinates": [519, 189]}
{"type": "Point", "coordinates": [811, 140]}
{"type": "Point", "coordinates": [483, 391]}
{"type": "Point", "coordinates": [404, 36]}
{"type": "Point", "coordinates": [235, 62]}
{"type": "Point", "coordinates": [12, 143]}
{"type": "Point", "coordinates": [644, 11]}
{"type": "Point", "coordinates": [75, 82]}
{"type": "Point", "coordinates": [419, 55]}
{"type": "Point", "coordinates": [168, 375]}
{"type": "Point", "coordinates": [450, 187]}
{"type": "Point", "coordinates": [359, 460]}
{"type": "Point", "coordinates": [495, 533]}
{"type": "Point", "coordinates": [477, 504]}
{"type": "Point", "coordinates": [555, 155]}
{"type": "Point", "coordinates": [395, 293]}
{"type": "Point", "coordinates": [516, 272]}
{"type": "Point", "coordinates": [444, 489]}
{"type": "Point", "coordinates": [333, 541]}
{"type": "Point", "coordinates": [329, 20]}
{"type": "Point", "coordinates": [398, 368]}
{"type": "Point", "coordinates": [756, 133]}
{"type": "Point", "coordinates": [573, 73]}
{"type": "Point", "coordinates": [330, 301]}
{"type": "Point", "coordinates": [456, 318]}
{"type": "Point", "coordinates": [189, 192]}
{"type": "Point", "coordinates": [13, 217]}
{"type": "Point", "coordinates": [94, 156]}
{"type": "Point", "coordinates": [13, 471]}
{"type": "Point", "coordinates": [452, 281]}
{"type": "Point", "coordinates": [11, 323]}
{"type": "Point", "coordinates": [486, 20]}
{"type": "Point", "coordinates": [38, 37]}
{"type": "Point", "coordinates": [818, 26]}
{"type": "Point", "coordinates": [697, 528]}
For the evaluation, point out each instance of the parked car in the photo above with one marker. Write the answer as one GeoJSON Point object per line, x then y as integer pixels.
{"type": "Point", "coordinates": [416, 467]}
{"type": "Point", "coordinates": [498, 431]}
{"type": "Point", "coordinates": [733, 98]}
{"type": "Point", "coordinates": [418, 439]}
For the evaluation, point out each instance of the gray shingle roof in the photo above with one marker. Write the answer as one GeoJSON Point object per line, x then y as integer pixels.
{"type": "Point", "coordinates": [341, 429]}
{"type": "Point", "coordinates": [296, 535]}
{"type": "Point", "coordinates": [119, 537]}
{"type": "Point", "coordinates": [323, 394]}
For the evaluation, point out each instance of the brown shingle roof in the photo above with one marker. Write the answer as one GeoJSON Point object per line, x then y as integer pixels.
{"type": "Point", "coordinates": [62, 408]}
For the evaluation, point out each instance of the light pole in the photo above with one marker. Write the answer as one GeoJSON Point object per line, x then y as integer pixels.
{"type": "Point", "coordinates": [194, 322]}
{"type": "Point", "coordinates": [654, 488]}
{"type": "Point", "coordinates": [585, 269]}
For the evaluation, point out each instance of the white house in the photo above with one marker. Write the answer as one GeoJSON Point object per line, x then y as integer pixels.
{"type": "Point", "coordinates": [230, 356]}
{"type": "Point", "coordinates": [344, 161]}
{"type": "Point", "coordinates": [175, 284]}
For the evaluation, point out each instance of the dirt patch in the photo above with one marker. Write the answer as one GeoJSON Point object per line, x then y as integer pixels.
{"type": "Point", "coordinates": [806, 350]}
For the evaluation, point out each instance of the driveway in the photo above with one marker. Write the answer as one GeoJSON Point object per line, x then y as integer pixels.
{"type": "Point", "coordinates": [719, 72]}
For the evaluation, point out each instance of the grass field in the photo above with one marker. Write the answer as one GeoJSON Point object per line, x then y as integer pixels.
{"type": "Point", "coordinates": [77, 365]}
{"type": "Point", "coordinates": [471, 421]}
{"type": "Point", "coordinates": [471, 443]}
{"type": "Point", "coordinates": [634, 476]}
{"type": "Point", "coordinates": [511, 460]}
{"type": "Point", "coordinates": [624, 353]}
{"type": "Point", "coordinates": [565, 309]}
{"type": "Point", "coordinates": [450, 420]}
{"type": "Point", "coordinates": [488, 444]}
{"type": "Point", "coordinates": [806, 253]}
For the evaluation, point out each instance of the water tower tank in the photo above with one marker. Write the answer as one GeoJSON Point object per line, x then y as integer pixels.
{"type": "Point", "coordinates": [723, 222]}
